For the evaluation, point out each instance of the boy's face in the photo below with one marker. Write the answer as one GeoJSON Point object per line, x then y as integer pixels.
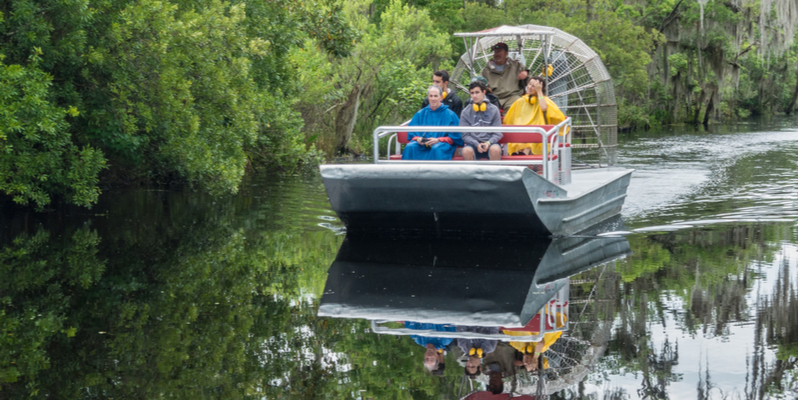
{"type": "Point", "coordinates": [473, 364]}
{"type": "Point", "coordinates": [477, 95]}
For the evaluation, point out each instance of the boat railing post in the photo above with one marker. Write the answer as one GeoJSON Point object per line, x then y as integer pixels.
{"type": "Point", "coordinates": [549, 143]}
{"type": "Point", "coordinates": [389, 146]}
{"type": "Point", "coordinates": [545, 154]}
{"type": "Point", "coordinates": [375, 141]}
{"type": "Point", "coordinates": [564, 164]}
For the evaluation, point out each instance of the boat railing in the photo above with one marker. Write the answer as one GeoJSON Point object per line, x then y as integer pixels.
{"type": "Point", "coordinates": [453, 335]}
{"type": "Point", "coordinates": [550, 170]}
{"type": "Point", "coordinates": [548, 322]}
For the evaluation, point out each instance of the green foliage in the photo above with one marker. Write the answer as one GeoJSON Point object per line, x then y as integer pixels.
{"type": "Point", "coordinates": [677, 63]}
{"type": "Point", "coordinates": [188, 111]}
{"type": "Point", "coordinates": [173, 90]}
{"type": "Point", "coordinates": [329, 27]}
{"type": "Point", "coordinates": [479, 16]}
{"type": "Point", "coordinates": [39, 159]}
{"type": "Point", "coordinates": [389, 62]}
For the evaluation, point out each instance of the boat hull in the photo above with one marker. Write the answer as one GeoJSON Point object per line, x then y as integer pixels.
{"type": "Point", "coordinates": [469, 199]}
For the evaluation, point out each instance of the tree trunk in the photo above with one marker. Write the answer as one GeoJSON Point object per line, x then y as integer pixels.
{"type": "Point", "coordinates": [588, 11]}
{"type": "Point", "coordinates": [698, 105]}
{"type": "Point", "coordinates": [346, 120]}
{"type": "Point", "coordinates": [791, 108]}
{"type": "Point", "coordinates": [709, 110]}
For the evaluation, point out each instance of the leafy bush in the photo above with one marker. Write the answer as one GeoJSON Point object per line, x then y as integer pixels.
{"type": "Point", "coordinates": [39, 159]}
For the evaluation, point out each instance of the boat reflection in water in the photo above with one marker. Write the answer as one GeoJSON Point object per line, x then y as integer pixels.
{"type": "Point", "coordinates": [500, 308]}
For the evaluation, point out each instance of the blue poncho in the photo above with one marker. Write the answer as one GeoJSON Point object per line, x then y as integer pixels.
{"type": "Point", "coordinates": [438, 342]}
{"type": "Point", "coordinates": [442, 116]}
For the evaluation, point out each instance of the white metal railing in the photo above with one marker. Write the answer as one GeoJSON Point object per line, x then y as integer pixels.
{"type": "Point", "coordinates": [555, 312]}
{"type": "Point", "coordinates": [454, 335]}
{"type": "Point", "coordinates": [551, 137]}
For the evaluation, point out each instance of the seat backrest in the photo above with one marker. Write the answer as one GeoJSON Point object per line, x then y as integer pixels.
{"type": "Point", "coordinates": [402, 137]}
{"type": "Point", "coordinates": [514, 137]}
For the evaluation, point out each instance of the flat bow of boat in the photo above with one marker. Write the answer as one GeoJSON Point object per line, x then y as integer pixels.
{"type": "Point", "coordinates": [470, 198]}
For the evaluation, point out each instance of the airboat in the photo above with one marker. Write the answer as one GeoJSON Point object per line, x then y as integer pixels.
{"type": "Point", "coordinates": [573, 185]}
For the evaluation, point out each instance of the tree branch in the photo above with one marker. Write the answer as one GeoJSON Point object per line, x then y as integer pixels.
{"type": "Point", "coordinates": [670, 17]}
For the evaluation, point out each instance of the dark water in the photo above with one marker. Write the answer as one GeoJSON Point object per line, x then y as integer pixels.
{"type": "Point", "coordinates": [170, 293]}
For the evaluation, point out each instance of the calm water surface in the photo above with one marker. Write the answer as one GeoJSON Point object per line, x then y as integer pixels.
{"type": "Point", "coordinates": [171, 293]}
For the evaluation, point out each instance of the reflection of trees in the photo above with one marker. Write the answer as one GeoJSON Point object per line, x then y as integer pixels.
{"type": "Point", "coordinates": [166, 303]}
{"type": "Point", "coordinates": [175, 295]}
{"type": "Point", "coordinates": [711, 271]}
{"type": "Point", "coordinates": [776, 327]}
{"type": "Point", "coordinates": [657, 371]}
{"type": "Point", "coordinates": [42, 278]}
{"type": "Point", "coordinates": [176, 319]}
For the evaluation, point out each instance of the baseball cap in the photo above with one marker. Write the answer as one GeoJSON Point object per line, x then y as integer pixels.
{"type": "Point", "coordinates": [500, 45]}
{"type": "Point", "coordinates": [480, 79]}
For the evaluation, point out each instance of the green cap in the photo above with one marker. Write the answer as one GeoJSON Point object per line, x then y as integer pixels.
{"type": "Point", "coordinates": [480, 79]}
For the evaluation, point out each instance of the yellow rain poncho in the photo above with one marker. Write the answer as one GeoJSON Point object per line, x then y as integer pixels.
{"type": "Point", "coordinates": [549, 337]}
{"type": "Point", "coordinates": [526, 111]}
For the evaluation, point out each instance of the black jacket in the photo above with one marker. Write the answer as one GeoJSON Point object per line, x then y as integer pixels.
{"type": "Point", "coordinates": [452, 101]}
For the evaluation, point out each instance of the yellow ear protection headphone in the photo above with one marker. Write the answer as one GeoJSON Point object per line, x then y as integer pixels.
{"type": "Point", "coordinates": [549, 70]}
{"type": "Point", "coordinates": [440, 351]}
{"type": "Point", "coordinates": [476, 352]}
{"type": "Point", "coordinates": [481, 107]}
{"type": "Point", "coordinates": [531, 349]}
{"type": "Point", "coordinates": [444, 94]}
{"type": "Point", "coordinates": [530, 98]}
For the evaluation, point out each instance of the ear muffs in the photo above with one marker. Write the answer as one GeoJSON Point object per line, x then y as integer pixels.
{"type": "Point", "coordinates": [530, 99]}
{"type": "Point", "coordinates": [476, 352]}
{"type": "Point", "coordinates": [481, 107]}
{"type": "Point", "coordinates": [444, 95]}
{"type": "Point", "coordinates": [549, 70]}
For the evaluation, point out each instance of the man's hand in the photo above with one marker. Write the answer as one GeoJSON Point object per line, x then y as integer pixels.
{"type": "Point", "coordinates": [421, 140]}
{"type": "Point", "coordinates": [483, 147]}
{"type": "Point", "coordinates": [432, 141]}
{"type": "Point", "coordinates": [522, 75]}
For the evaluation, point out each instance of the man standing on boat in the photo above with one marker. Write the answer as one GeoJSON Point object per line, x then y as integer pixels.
{"type": "Point", "coordinates": [433, 145]}
{"type": "Point", "coordinates": [480, 113]}
{"type": "Point", "coordinates": [442, 79]}
{"type": "Point", "coordinates": [504, 76]}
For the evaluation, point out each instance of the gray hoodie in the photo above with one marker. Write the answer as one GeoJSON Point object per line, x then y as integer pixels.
{"type": "Point", "coordinates": [490, 117]}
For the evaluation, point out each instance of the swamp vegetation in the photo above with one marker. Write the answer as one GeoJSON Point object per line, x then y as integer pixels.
{"type": "Point", "coordinates": [199, 92]}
